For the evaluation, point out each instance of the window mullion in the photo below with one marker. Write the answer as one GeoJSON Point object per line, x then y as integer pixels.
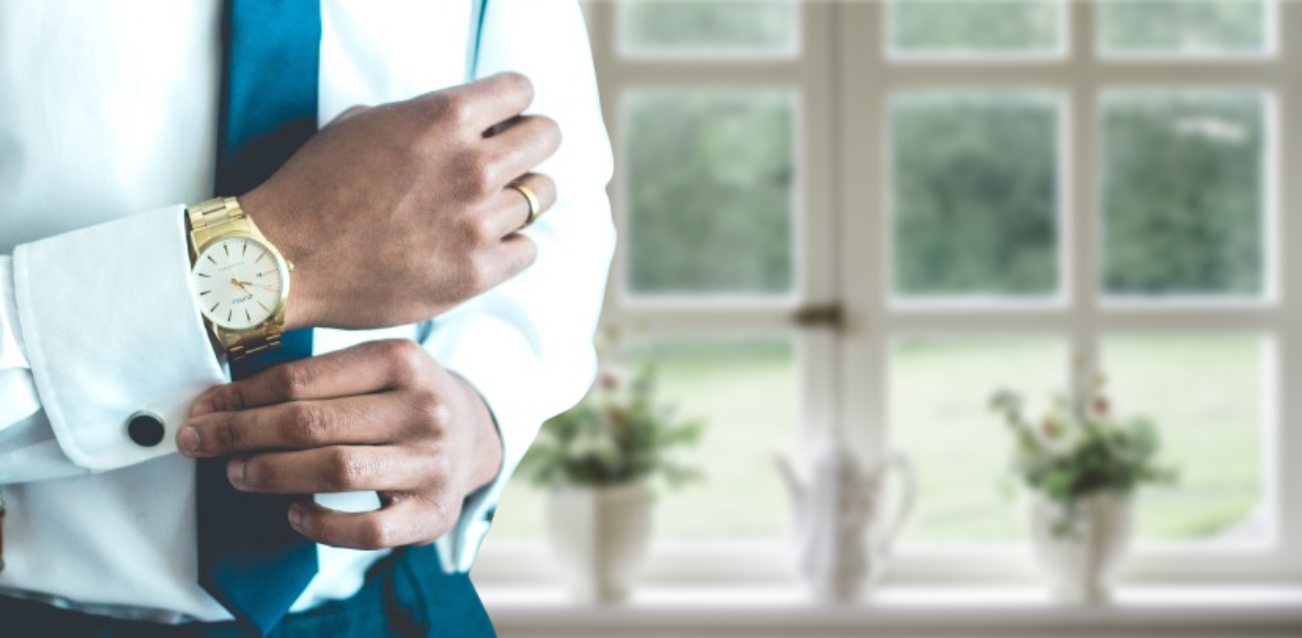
{"type": "Point", "coordinates": [1082, 240]}
{"type": "Point", "coordinates": [1286, 402]}
{"type": "Point", "coordinates": [864, 226]}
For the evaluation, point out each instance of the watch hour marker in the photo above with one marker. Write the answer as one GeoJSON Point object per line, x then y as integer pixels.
{"type": "Point", "coordinates": [214, 307]}
{"type": "Point", "coordinates": [214, 261]}
{"type": "Point", "coordinates": [246, 315]}
{"type": "Point", "coordinates": [227, 249]}
{"type": "Point", "coordinates": [246, 249]}
{"type": "Point", "coordinates": [202, 275]}
{"type": "Point", "coordinates": [229, 313]}
{"type": "Point", "coordinates": [259, 258]}
{"type": "Point", "coordinates": [206, 292]}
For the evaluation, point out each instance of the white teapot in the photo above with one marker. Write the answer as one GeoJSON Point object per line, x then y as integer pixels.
{"type": "Point", "coordinates": [842, 535]}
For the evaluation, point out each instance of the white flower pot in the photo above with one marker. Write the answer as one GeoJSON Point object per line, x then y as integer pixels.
{"type": "Point", "coordinates": [599, 536]}
{"type": "Point", "coordinates": [1080, 563]}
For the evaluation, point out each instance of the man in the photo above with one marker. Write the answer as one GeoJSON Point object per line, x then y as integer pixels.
{"type": "Point", "coordinates": [452, 316]}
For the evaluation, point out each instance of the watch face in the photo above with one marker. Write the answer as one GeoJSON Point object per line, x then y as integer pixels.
{"type": "Point", "coordinates": [239, 282]}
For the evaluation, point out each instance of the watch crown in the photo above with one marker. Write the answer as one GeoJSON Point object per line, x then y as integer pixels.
{"type": "Point", "coordinates": [290, 264]}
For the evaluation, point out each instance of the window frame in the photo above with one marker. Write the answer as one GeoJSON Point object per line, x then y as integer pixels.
{"type": "Point", "coordinates": [844, 82]}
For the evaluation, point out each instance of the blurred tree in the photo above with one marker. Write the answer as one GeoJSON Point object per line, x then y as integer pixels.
{"type": "Point", "coordinates": [988, 26]}
{"type": "Point", "coordinates": [710, 193]}
{"type": "Point", "coordinates": [708, 24]}
{"type": "Point", "coordinates": [1183, 181]}
{"type": "Point", "coordinates": [975, 177]}
{"type": "Point", "coordinates": [974, 194]}
{"type": "Point", "coordinates": [1187, 26]}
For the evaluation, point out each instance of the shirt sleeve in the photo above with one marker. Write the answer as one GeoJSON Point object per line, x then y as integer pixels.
{"type": "Point", "coordinates": [526, 345]}
{"type": "Point", "coordinates": [97, 325]}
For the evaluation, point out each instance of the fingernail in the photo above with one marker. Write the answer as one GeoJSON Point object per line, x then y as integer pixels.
{"type": "Point", "coordinates": [188, 439]}
{"type": "Point", "coordinates": [235, 471]}
{"type": "Point", "coordinates": [295, 515]}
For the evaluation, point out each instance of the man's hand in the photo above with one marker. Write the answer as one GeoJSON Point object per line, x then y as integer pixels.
{"type": "Point", "coordinates": [381, 416]}
{"type": "Point", "coordinates": [395, 214]}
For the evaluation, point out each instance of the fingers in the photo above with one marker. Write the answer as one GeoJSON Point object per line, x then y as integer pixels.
{"type": "Point", "coordinates": [512, 208]}
{"type": "Point", "coordinates": [370, 419]}
{"type": "Point", "coordinates": [404, 521]}
{"type": "Point", "coordinates": [511, 257]}
{"type": "Point", "coordinates": [523, 143]}
{"type": "Point", "coordinates": [329, 470]}
{"type": "Point", "coordinates": [361, 369]}
{"type": "Point", "coordinates": [484, 103]}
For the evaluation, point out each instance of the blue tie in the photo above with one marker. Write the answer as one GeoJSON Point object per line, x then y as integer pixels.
{"type": "Point", "coordinates": [250, 559]}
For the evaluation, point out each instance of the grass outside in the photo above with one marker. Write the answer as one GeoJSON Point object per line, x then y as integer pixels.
{"type": "Point", "coordinates": [1204, 393]}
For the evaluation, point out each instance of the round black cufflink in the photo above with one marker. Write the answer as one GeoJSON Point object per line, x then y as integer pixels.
{"type": "Point", "coordinates": [146, 429]}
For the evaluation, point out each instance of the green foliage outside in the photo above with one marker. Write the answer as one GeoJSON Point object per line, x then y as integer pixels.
{"type": "Point", "coordinates": [740, 25]}
{"type": "Point", "coordinates": [1183, 26]}
{"type": "Point", "coordinates": [1184, 176]}
{"type": "Point", "coordinates": [710, 191]}
{"type": "Point", "coordinates": [987, 26]}
{"type": "Point", "coordinates": [1201, 391]}
{"type": "Point", "coordinates": [975, 194]}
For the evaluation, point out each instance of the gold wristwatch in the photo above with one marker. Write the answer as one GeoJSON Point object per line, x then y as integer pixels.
{"type": "Point", "coordinates": [241, 280]}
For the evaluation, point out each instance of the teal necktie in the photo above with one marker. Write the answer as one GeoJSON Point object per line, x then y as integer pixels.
{"type": "Point", "coordinates": [250, 559]}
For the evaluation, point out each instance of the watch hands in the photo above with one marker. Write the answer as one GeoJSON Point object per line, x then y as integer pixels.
{"type": "Point", "coordinates": [239, 284]}
{"type": "Point", "coordinates": [242, 285]}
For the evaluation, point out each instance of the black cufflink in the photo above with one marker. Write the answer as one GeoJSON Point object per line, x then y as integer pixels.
{"type": "Point", "coordinates": [145, 429]}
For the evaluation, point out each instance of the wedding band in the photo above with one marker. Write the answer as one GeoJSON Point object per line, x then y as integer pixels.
{"type": "Point", "coordinates": [535, 207]}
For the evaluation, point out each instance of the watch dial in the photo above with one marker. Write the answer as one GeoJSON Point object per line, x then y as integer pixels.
{"type": "Point", "coordinates": [239, 282]}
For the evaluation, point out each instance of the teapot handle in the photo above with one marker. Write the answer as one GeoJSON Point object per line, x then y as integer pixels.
{"type": "Point", "coordinates": [898, 462]}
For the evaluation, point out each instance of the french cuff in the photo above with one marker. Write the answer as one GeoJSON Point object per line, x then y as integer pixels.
{"type": "Point", "coordinates": [499, 362]}
{"type": "Point", "coordinates": [111, 328]}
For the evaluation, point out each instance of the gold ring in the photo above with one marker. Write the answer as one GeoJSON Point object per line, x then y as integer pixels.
{"type": "Point", "coordinates": [535, 207]}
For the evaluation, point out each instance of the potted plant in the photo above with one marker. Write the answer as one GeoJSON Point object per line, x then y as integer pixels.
{"type": "Point", "coordinates": [1081, 466]}
{"type": "Point", "coordinates": [598, 460]}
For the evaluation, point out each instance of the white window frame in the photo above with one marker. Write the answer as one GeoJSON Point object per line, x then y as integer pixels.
{"type": "Point", "coordinates": [844, 76]}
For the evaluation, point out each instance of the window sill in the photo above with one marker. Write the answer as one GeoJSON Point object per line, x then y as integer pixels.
{"type": "Point", "coordinates": [1244, 611]}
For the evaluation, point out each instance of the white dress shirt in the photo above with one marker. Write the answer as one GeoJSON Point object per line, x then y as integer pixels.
{"type": "Point", "coordinates": [108, 113]}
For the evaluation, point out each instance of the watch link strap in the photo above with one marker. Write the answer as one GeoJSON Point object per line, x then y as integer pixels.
{"type": "Point", "coordinates": [217, 217]}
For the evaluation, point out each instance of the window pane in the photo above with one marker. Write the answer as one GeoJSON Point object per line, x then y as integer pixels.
{"type": "Point", "coordinates": [710, 186]}
{"type": "Point", "coordinates": [1205, 395]}
{"type": "Point", "coordinates": [519, 516]}
{"type": "Point", "coordinates": [745, 391]}
{"type": "Point", "coordinates": [963, 451]}
{"type": "Point", "coordinates": [975, 27]}
{"type": "Point", "coordinates": [703, 26]}
{"type": "Point", "coordinates": [1183, 27]}
{"type": "Point", "coordinates": [1183, 178]}
{"type": "Point", "coordinates": [975, 195]}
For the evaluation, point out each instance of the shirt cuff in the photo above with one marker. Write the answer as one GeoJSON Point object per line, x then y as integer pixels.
{"type": "Point", "coordinates": [497, 359]}
{"type": "Point", "coordinates": [111, 328]}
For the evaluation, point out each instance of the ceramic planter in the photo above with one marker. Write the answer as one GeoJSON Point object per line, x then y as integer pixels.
{"type": "Point", "coordinates": [1079, 562]}
{"type": "Point", "coordinates": [599, 536]}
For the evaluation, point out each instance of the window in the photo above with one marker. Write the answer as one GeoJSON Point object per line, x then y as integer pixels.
{"type": "Point", "coordinates": [990, 193]}
{"type": "Point", "coordinates": [981, 29]}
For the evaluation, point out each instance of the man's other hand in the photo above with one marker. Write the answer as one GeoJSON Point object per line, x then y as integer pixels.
{"type": "Point", "coordinates": [397, 213]}
{"type": "Point", "coordinates": [382, 416]}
